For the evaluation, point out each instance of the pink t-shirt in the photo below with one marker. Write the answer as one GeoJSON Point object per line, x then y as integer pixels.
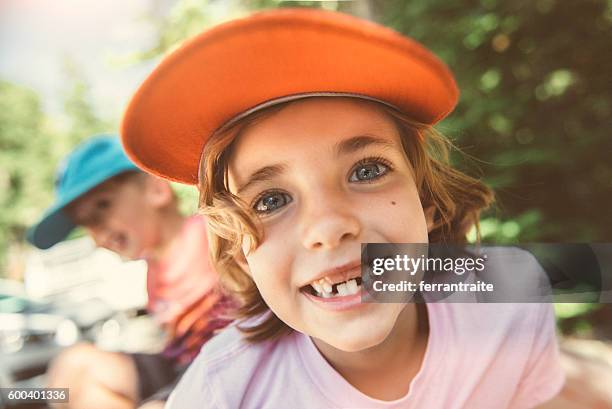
{"type": "Point", "coordinates": [183, 276]}
{"type": "Point", "coordinates": [478, 356]}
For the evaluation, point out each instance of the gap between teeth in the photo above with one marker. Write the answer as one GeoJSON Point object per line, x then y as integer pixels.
{"type": "Point", "coordinates": [323, 287]}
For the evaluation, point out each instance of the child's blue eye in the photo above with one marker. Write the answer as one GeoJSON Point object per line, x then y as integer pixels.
{"type": "Point", "coordinates": [271, 201]}
{"type": "Point", "coordinates": [368, 170]}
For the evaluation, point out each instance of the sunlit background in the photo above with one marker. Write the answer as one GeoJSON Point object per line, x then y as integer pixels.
{"type": "Point", "coordinates": [533, 122]}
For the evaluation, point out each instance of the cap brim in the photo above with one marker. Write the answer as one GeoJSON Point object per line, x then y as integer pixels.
{"type": "Point", "coordinates": [52, 228]}
{"type": "Point", "coordinates": [244, 63]}
{"type": "Point", "coordinates": [55, 225]}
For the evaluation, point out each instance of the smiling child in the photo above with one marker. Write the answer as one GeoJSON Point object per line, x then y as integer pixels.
{"type": "Point", "coordinates": [308, 134]}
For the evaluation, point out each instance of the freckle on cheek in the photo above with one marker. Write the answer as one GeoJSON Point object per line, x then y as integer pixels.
{"type": "Point", "coordinates": [393, 203]}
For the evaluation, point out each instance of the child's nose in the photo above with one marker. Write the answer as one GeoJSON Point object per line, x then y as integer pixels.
{"type": "Point", "coordinates": [327, 223]}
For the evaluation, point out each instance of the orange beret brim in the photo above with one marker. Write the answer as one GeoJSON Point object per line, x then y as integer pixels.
{"type": "Point", "coordinates": [242, 64]}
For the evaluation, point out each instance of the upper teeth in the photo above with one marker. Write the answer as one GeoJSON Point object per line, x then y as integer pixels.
{"type": "Point", "coordinates": [324, 287]}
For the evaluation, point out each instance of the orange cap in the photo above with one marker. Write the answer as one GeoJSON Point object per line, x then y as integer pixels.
{"type": "Point", "coordinates": [268, 57]}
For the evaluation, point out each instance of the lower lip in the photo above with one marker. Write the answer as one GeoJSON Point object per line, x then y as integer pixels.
{"type": "Point", "coordinates": [342, 303]}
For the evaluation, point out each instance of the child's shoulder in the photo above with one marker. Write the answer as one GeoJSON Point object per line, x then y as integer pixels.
{"type": "Point", "coordinates": [504, 317]}
{"type": "Point", "coordinates": [230, 346]}
{"type": "Point", "coordinates": [225, 368]}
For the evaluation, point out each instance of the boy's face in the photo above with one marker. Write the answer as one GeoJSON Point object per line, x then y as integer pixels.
{"type": "Point", "coordinates": [325, 175]}
{"type": "Point", "coordinates": [120, 216]}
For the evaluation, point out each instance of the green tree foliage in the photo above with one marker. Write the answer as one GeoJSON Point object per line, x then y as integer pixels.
{"type": "Point", "coordinates": [187, 18]}
{"type": "Point", "coordinates": [30, 149]}
{"type": "Point", "coordinates": [82, 120]}
{"type": "Point", "coordinates": [536, 105]}
{"type": "Point", "coordinates": [25, 170]}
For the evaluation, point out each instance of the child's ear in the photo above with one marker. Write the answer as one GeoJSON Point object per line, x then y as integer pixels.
{"type": "Point", "coordinates": [430, 213]}
{"type": "Point", "coordinates": [158, 192]}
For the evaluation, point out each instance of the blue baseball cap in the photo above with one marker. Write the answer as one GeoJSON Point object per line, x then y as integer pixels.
{"type": "Point", "coordinates": [90, 164]}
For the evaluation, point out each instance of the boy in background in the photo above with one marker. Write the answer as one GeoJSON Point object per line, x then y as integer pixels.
{"type": "Point", "coordinates": [135, 215]}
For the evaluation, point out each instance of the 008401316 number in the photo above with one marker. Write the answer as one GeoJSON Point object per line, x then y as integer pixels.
{"type": "Point", "coordinates": [32, 395]}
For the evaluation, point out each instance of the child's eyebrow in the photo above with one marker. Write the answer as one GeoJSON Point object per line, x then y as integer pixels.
{"type": "Point", "coordinates": [344, 147]}
{"type": "Point", "coordinates": [357, 143]}
{"type": "Point", "coordinates": [262, 175]}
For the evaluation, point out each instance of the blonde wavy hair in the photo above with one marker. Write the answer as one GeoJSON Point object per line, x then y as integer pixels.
{"type": "Point", "coordinates": [457, 198]}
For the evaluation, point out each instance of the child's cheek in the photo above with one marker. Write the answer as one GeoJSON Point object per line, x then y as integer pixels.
{"type": "Point", "coordinates": [397, 215]}
{"type": "Point", "coordinates": [271, 269]}
{"type": "Point", "coordinates": [269, 265]}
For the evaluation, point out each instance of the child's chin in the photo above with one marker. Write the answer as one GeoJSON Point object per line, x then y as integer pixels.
{"type": "Point", "coordinates": [358, 337]}
{"type": "Point", "coordinates": [357, 333]}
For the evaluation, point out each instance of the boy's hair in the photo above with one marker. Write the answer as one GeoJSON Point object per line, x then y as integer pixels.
{"type": "Point", "coordinates": [457, 198]}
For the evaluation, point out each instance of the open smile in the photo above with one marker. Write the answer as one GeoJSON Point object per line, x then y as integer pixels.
{"type": "Point", "coordinates": [338, 289]}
